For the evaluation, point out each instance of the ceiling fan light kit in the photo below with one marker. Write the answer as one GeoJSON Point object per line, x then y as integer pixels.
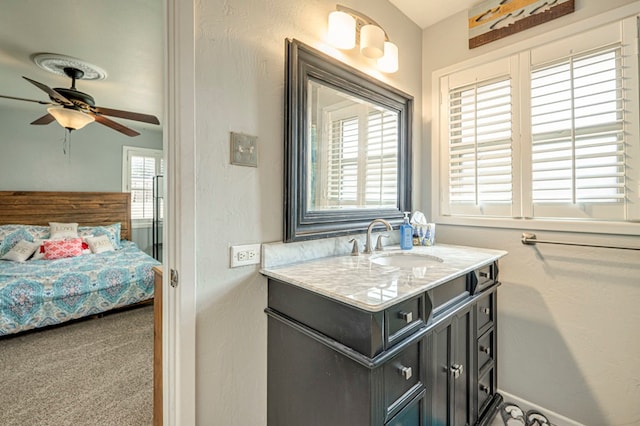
{"type": "Point", "coordinates": [70, 118]}
{"type": "Point", "coordinates": [71, 108]}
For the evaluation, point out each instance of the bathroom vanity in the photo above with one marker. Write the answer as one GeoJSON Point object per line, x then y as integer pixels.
{"type": "Point", "coordinates": [392, 338]}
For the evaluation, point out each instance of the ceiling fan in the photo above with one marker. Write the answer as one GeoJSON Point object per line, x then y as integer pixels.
{"type": "Point", "coordinates": [74, 109]}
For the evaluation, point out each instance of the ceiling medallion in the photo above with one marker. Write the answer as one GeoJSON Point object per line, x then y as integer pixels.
{"type": "Point", "coordinates": [56, 64]}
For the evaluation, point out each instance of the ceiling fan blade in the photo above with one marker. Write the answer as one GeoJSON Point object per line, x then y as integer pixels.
{"type": "Point", "coordinates": [145, 118]}
{"type": "Point", "coordinates": [115, 126]}
{"type": "Point", "coordinates": [45, 119]}
{"type": "Point", "coordinates": [52, 93]}
{"type": "Point", "coordinates": [28, 100]}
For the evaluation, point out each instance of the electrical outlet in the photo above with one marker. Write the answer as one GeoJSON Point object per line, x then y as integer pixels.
{"type": "Point", "coordinates": [244, 255]}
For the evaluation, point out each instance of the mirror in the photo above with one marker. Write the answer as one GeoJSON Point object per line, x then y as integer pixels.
{"type": "Point", "coordinates": [347, 147]}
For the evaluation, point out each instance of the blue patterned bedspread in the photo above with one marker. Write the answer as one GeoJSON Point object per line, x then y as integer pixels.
{"type": "Point", "coordinates": [39, 293]}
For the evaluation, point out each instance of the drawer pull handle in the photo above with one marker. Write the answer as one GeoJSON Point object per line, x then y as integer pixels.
{"type": "Point", "coordinates": [456, 370]}
{"type": "Point", "coordinates": [405, 372]}
{"type": "Point", "coordinates": [486, 311]}
{"type": "Point", "coordinates": [485, 349]}
{"type": "Point", "coordinates": [485, 389]}
{"type": "Point", "coordinates": [406, 316]}
{"type": "Point", "coordinates": [484, 274]}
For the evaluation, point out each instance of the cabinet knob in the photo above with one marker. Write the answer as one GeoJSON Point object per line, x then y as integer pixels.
{"type": "Point", "coordinates": [456, 370]}
{"type": "Point", "coordinates": [406, 316]}
{"type": "Point", "coordinates": [485, 389]}
{"type": "Point", "coordinates": [405, 372]}
{"type": "Point", "coordinates": [485, 349]}
{"type": "Point", "coordinates": [486, 311]}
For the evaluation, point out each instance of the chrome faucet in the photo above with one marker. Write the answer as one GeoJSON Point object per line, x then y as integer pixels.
{"type": "Point", "coordinates": [367, 246]}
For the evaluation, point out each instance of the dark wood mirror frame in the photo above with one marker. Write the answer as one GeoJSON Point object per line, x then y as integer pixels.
{"type": "Point", "coordinates": [303, 63]}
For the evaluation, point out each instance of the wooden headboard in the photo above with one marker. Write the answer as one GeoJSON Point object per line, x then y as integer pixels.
{"type": "Point", "coordinates": [85, 208]}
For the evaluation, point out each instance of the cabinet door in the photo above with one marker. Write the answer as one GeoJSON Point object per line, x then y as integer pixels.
{"type": "Point", "coordinates": [450, 372]}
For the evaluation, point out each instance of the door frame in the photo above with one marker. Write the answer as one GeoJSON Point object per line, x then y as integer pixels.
{"type": "Point", "coordinates": [179, 307]}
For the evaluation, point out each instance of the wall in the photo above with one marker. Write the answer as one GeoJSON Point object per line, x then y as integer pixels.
{"type": "Point", "coordinates": [240, 87]}
{"type": "Point", "coordinates": [31, 157]}
{"type": "Point", "coordinates": [569, 321]}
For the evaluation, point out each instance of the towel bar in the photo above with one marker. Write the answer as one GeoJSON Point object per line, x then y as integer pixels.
{"type": "Point", "coordinates": [529, 238]}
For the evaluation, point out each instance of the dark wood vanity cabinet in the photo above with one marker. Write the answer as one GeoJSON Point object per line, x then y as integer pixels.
{"type": "Point", "coordinates": [425, 361]}
{"type": "Point", "coordinates": [451, 375]}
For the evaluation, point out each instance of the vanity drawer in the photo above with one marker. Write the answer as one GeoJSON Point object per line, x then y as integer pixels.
{"type": "Point", "coordinates": [449, 294]}
{"type": "Point", "coordinates": [486, 348]}
{"type": "Point", "coordinates": [486, 388]}
{"type": "Point", "coordinates": [404, 318]}
{"type": "Point", "coordinates": [486, 310]}
{"type": "Point", "coordinates": [483, 278]}
{"type": "Point", "coordinates": [413, 414]}
{"type": "Point", "coordinates": [403, 378]}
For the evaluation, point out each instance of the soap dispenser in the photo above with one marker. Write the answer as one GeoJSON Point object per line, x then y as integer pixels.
{"type": "Point", "coordinates": [406, 233]}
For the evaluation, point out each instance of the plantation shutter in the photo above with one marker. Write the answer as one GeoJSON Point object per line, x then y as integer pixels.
{"type": "Point", "coordinates": [143, 170]}
{"type": "Point", "coordinates": [381, 181]}
{"type": "Point", "coordinates": [362, 160]}
{"type": "Point", "coordinates": [342, 177]}
{"type": "Point", "coordinates": [480, 147]}
{"type": "Point", "coordinates": [578, 136]}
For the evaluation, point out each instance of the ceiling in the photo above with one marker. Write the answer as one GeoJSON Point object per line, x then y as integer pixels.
{"type": "Point", "coordinates": [428, 12]}
{"type": "Point", "coordinates": [123, 37]}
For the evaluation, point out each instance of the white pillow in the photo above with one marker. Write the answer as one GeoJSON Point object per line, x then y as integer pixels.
{"type": "Point", "coordinates": [21, 251]}
{"type": "Point", "coordinates": [63, 230]}
{"type": "Point", "coordinates": [100, 244]}
{"type": "Point", "coordinates": [39, 254]}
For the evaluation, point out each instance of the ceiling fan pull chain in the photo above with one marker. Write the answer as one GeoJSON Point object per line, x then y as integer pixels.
{"type": "Point", "coordinates": [66, 143]}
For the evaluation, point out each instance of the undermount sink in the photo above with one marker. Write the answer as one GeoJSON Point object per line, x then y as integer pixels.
{"type": "Point", "coordinates": [405, 260]}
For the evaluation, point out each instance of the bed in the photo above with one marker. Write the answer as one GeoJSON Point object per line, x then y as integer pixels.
{"type": "Point", "coordinates": [41, 292]}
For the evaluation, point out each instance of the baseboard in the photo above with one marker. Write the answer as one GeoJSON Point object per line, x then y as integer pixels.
{"type": "Point", "coordinates": [525, 405]}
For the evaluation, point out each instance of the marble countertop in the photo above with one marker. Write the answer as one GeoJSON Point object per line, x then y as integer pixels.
{"type": "Point", "coordinates": [359, 282]}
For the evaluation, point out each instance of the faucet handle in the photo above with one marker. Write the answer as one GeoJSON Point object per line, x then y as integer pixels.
{"type": "Point", "coordinates": [355, 251]}
{"type": "Point", "coordinates": [379, 242]}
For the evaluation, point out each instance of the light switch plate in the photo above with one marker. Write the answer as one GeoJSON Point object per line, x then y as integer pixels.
{"type": "Point", "coordinates": [244, 150]}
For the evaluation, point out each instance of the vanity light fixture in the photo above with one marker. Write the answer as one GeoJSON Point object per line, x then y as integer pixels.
{"type": "Point", "coordinates": [348, 27]}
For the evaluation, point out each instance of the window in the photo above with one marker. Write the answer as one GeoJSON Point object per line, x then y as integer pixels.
{"type": "Point", "coordinates": [361, 159]}
{"type": "Point", "coordinates": [547, 133]}
{"type": "Point", "coordinates": [141, 166]}
{"type": "Point", "coordinates": [480, 139]}
{"type": "Point", "coordinates": [577, 135]}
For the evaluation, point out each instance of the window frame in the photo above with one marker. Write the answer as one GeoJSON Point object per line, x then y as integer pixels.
{"type": "Point", "coordinates": [626, 18]}
{"type": "Point", "coordinates": [127, 153]}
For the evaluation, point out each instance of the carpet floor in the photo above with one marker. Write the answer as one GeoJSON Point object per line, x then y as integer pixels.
{"type": "Point", "coordinates": [92, 372]}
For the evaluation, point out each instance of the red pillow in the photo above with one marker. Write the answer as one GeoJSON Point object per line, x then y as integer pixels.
{"type": "Point", "coordinates": [57, 249]}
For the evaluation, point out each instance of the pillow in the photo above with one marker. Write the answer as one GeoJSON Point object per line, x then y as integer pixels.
{"type": "Point", "coordinates": [30, 231]}
{"type": "Point", "coordinates": [39, 254]}
{"type": "Point", "coordinates": [100, 244]}
{"type": "Point", "coordinates": [63, 230]}
{"type": "Point", "coordinates": [57, 249]}
{"type": "Point", "coordinates": [112, 231]}
{"type": "Point", "coordinates": [21, 251]}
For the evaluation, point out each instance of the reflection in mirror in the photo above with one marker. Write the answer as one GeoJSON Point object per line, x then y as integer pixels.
{"type": "Point", "coordinates": [353, 155]}
{"type": "Point", "coordinates": [347, 147]}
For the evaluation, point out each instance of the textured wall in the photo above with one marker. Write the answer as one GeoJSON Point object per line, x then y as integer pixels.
{"type": "Point", "coordinates": [31, 157]}
{"type": "Point", "coordinates": [569, 319]}
{"type": "Point", "coordinates": [240, 87]}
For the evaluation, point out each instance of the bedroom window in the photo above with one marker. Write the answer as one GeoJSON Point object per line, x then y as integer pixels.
{"type": "Point", "coordinates": [549, 133]}
{"type": "Point", "coordinates": [141, 166]}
